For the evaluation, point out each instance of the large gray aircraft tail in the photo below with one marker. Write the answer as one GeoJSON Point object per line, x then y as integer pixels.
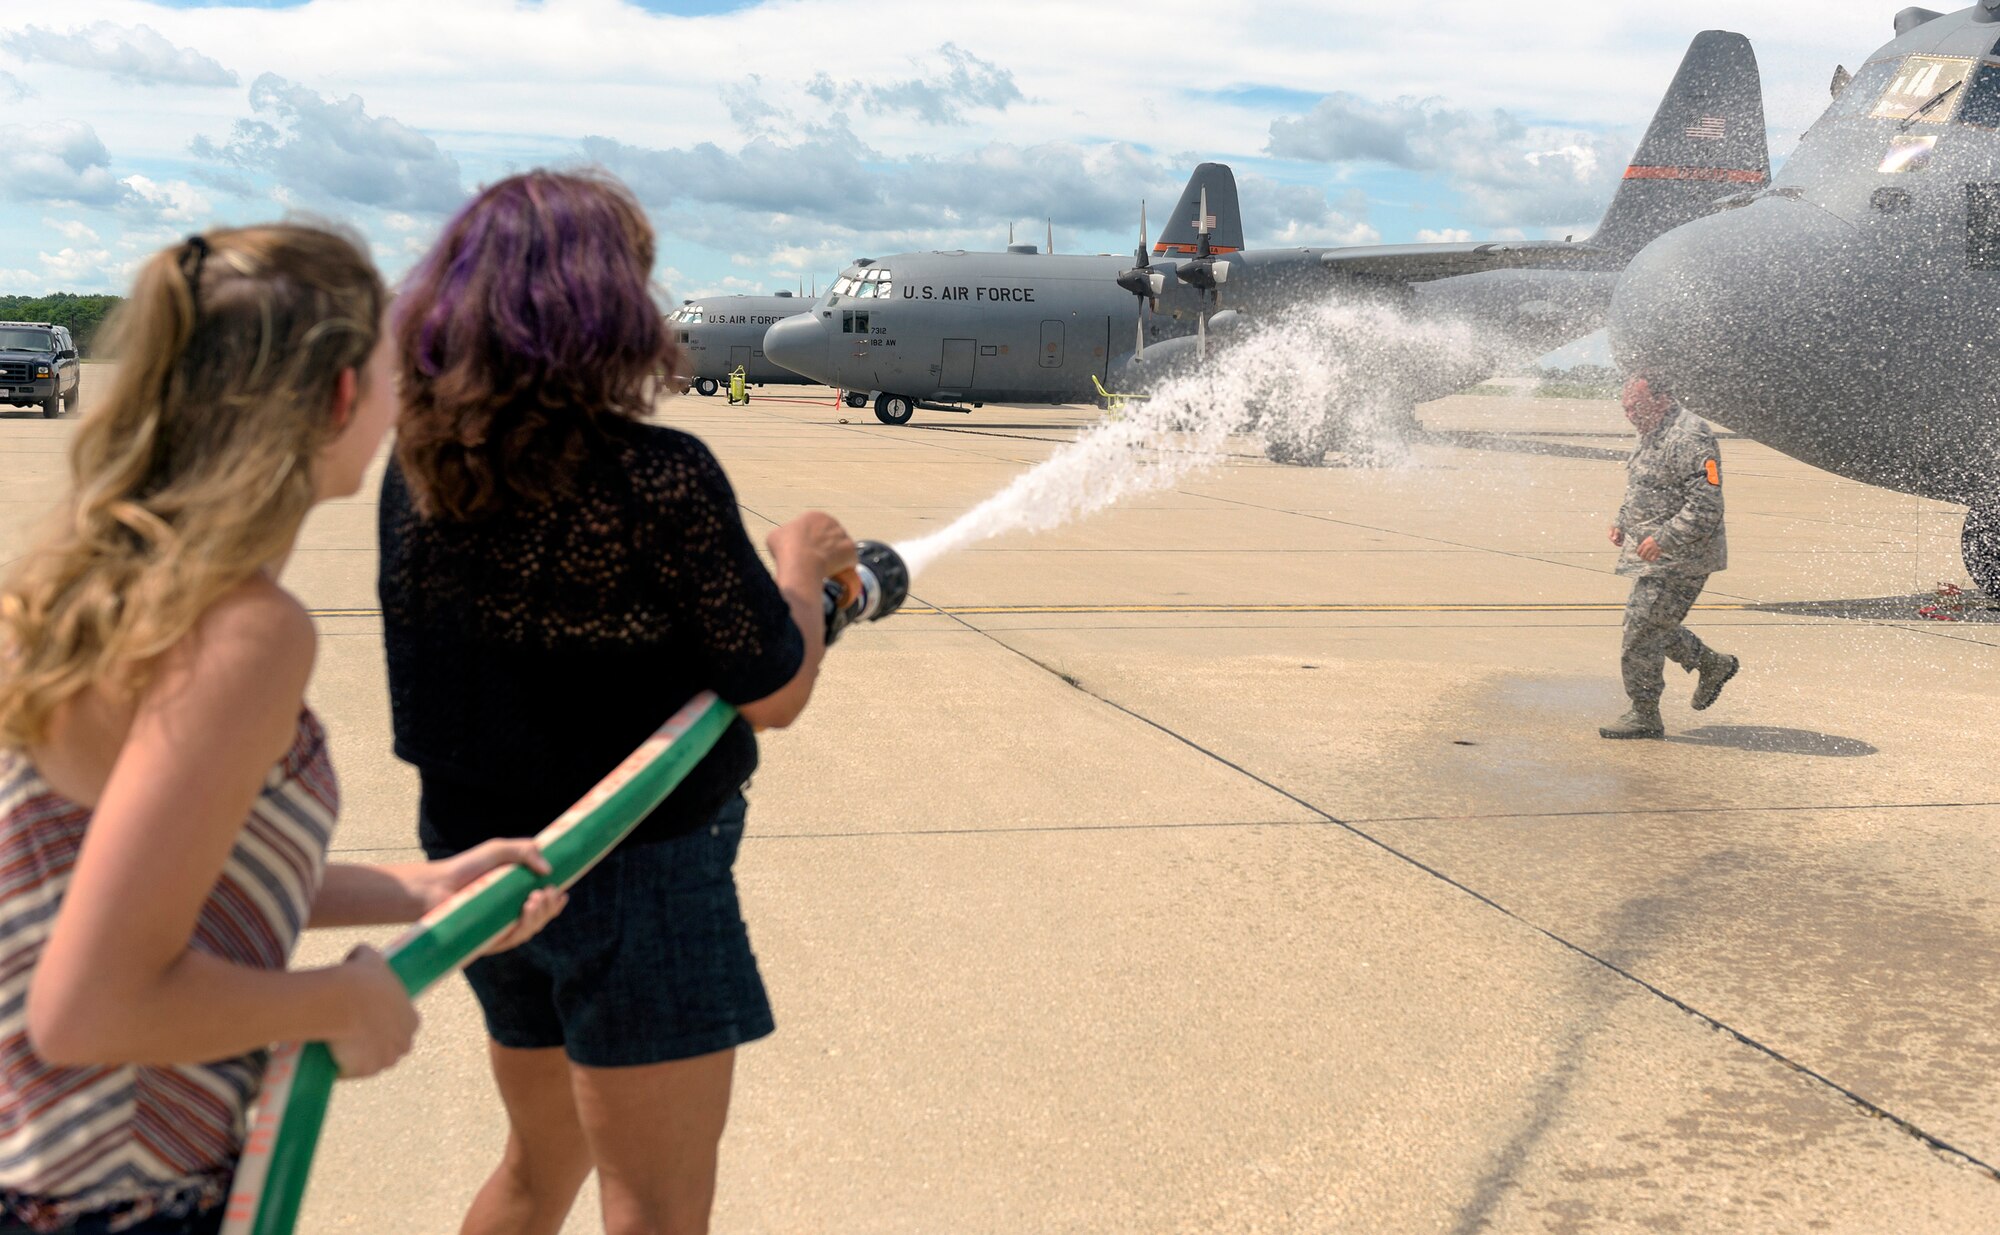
{"type": "Point", "coordinates": [1706, 142]}
{"type": "Point", "coordinates": [1178, 235]}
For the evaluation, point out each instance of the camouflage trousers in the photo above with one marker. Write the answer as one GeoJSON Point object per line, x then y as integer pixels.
{"type": "Point", "coordinates": [1654, 634]}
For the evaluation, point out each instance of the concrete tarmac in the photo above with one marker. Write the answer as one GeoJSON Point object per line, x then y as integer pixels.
{"type": "Point", "coordinates": [1245, 858]}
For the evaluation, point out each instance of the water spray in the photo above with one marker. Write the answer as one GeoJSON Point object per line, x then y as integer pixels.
{"type": "Point", "coordinates": [1309, 375]}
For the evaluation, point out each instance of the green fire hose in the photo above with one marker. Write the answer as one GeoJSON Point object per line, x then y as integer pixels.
{"type": "Point", "coordinates": [270, 1181]}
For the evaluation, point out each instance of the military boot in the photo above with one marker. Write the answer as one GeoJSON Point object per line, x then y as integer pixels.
{"type": "Point", "coordinates": [1643, 721]}
{"type": "Point", "coordinates": [1716, 670]}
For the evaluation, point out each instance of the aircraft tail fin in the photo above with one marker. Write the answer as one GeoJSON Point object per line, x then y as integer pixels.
{"type": "Point", "coordinates": [1179, 235]}
{"type": "Point", "coordinates": [1706, 142]}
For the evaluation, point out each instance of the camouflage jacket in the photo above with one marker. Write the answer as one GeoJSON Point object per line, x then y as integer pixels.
{"type": "Point", "coordinates": [1673, 493]}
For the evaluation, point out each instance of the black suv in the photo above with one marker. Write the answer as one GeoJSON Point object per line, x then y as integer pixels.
{"type": "Point", "coordinates": [38, 367]}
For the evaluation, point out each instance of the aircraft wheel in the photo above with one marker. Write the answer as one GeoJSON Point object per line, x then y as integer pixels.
{"type": "Point", "coordinates": [894, 409]}
{"type": "Point", "coordinates": [1979, 544]}
{"type": "Point", "coordinates": [706, 387]}
{"type": "Point", "coordinates": [857, 399]}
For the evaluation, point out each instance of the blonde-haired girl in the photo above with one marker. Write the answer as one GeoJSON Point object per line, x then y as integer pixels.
{"type": "Point", "coordinates": [166, 800]}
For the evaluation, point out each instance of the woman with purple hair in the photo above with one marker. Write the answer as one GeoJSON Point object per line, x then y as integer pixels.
{"type": "Point", "coordinates": [558, 576]}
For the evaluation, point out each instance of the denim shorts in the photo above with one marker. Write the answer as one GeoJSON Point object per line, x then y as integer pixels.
{"type": "Point", "coordinates": [650, 962]}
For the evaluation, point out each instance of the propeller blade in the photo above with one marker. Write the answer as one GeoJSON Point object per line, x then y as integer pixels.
{"type": "Point", "coordinates": [1139, 346]}
{"type": "Point", "coordinates": [1052, 236]}
{"type": "Point", "coordinates": [1201, 337]}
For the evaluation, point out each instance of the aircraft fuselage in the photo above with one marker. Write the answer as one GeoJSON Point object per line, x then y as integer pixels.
{"type": "Point", "coordinates": [719, 333]}
{"type": "Point", "coordinates": [1847, 315]}
{"type": "Point", "coordinates": [1027, 328]}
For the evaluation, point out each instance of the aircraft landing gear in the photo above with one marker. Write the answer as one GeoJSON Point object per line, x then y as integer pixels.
{"type": "Point", "coordinates": [1303, 445]}
{"type": "Point", "coordinates": [856, 398]}
{"type": "Point", "coordinates": [1979, 544]}
{"type": "Point", "coordinates": [706, 387]}
{"type": "Point", "coordinates": [894, 409]}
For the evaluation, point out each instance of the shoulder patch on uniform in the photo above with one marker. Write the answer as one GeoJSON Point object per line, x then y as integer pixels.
{"type": "Point", "coordinates": [1714, 467]}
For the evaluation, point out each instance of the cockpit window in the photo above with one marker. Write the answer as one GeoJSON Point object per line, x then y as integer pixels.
{"type": "Point", "coordinates": [1925, 90]}
{"type": "Point", "coordinates": [686, 313]}
{"type": "Point", "coordinates": [1866, 88]}
{"type": "Point", "coordinates": [870, 284]}
{"type": "Point", "coordinates": [1982, 98]}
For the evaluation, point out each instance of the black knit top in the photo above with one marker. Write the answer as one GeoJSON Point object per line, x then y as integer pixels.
{"type": "Point", "coordinates": [531, 651]}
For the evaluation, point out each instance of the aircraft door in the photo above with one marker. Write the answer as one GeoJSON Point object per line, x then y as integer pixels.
{"type": "Point", "coordinates": [739, 354]}
{"type": "Point", "coordinates": [956, 371]}
{"type": "Point", "coordinates": [1052, 345]}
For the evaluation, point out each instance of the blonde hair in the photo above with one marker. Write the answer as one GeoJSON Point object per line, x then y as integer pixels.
{"type": "Point", "coordinates": [196, 468]}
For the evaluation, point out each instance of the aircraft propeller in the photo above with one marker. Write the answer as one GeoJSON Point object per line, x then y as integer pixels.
{"type": "Point", "coordinates": [1205, 273]}
{"type": "Point", "coordinates": [1145, 283]}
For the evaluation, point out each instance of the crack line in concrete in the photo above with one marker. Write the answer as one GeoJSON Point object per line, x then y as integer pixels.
{"type": "Point", "coordinates": [1936, 1143]}
{"type": "Point", "coordinates": [1677, 810]}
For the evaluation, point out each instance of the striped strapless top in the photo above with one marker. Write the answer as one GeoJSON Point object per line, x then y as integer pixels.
{"type": "Point", "coordinates": [143, 1139]}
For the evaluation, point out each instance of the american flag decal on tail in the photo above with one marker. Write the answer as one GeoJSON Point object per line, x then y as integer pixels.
{"type": "Point", "coordinates": [1709, 129]}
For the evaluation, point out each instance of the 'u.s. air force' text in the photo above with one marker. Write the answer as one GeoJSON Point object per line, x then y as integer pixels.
{"type": "Point", "coordinates": [1023, 295]}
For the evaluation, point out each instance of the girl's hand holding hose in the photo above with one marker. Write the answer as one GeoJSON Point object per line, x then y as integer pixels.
{"type": "Point", "coordinates": [382, 1022]}
{"type": "Point", "coordinates": [445, 878]}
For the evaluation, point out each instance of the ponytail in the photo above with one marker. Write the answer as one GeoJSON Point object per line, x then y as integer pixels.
{"type": "Point", "coordinates": [196, 468]}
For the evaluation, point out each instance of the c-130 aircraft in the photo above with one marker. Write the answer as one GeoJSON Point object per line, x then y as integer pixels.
{"type": "Point", "coordinates": [1848, 315]}
{"type": "Point", "coordinates": [928, 329]}
{"type": "Point", "coordinates": [961, 327]}
{"type": "Point", "coordinates": [720, 334]}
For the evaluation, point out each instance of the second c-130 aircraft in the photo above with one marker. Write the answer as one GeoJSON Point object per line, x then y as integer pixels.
{"type": "Point", "coordinates": [944, 328]}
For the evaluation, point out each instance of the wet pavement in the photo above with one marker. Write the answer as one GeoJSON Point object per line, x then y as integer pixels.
{"type": "Point", "coordinates": [1245, 858]}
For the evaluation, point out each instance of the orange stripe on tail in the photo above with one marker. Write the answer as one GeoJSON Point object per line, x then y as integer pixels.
{"type": "Point", "coordinates": [1733, 175]}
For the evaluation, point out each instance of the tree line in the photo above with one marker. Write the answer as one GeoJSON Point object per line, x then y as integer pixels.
{"type": "Point", "coordinates": [81, 314]}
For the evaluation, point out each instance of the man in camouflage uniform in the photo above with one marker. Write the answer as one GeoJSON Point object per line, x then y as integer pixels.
{"type": "Point", "coordinates": [1671, 537]}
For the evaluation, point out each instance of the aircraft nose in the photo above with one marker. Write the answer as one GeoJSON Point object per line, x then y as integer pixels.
{"type": "Point", "coordinates": [1736, 306]}
{"type": "Point", "coordinates": [800, 344]}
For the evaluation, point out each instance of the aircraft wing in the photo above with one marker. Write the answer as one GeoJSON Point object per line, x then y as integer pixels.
{"type": "Point", "coordinates": [1421, 263]}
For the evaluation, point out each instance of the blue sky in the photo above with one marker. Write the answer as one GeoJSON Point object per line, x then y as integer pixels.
{"type": "Point", "coordinates": [774, 141]}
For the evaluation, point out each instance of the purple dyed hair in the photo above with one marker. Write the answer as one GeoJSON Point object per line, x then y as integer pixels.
{"type": "Point", "coordinates": [525, 326]}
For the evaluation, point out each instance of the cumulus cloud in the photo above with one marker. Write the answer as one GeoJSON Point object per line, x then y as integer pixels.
{"type": "Point", "coordinates": [12, 88]}
{"type": "Point", "coordinates": [59, 162]}
{"type": "Point", "coordinates": [829, 178]}
{"type": "Point", "coordinates": [71, 266]}
{"type": "Point", "coordinates": [941, 96]}
{"type": "Point", "coordinates": [172, 201]}
{"type": "Point", "coordinates": [138, 54]}
{"type": "Point", "coordinates": [749, 108]}
{"type": "Point", "coordinates": [73, 230]}
{"type": "Point", "coordinates": [1447, 235]}
{"type": "Point", "coordinates": [1279, 215]}
{"type": "Point", "coordinates": [1510, 172]}
{"type": "Point", "coordinates": [317, 148]}
{"type": "Point", "coordinates": [820, 200]}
